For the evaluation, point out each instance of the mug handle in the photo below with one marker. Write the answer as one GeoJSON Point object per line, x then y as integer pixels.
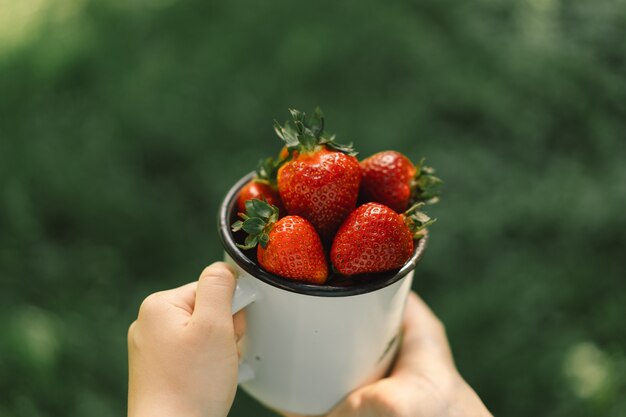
{"type": "Point", "coordinates": [244, 295]}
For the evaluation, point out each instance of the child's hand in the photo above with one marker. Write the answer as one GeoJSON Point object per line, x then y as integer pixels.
{"type": "Point", "coordinates": [182, 349]}
{"type": "Point", "coordinates": [424, 381]}
{"type": "Point", "coordinates": [183, 360]}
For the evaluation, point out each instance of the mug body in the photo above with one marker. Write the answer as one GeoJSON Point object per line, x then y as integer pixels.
{"type": "Point", "coordinates": [308, 352]}
{"type": "Point", "coordinates": [307, 346]}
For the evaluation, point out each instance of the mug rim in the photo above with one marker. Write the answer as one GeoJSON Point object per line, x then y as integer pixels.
{"type": "Point", "coordinates": [248, 265]}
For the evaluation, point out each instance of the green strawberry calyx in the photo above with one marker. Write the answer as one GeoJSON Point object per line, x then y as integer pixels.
{"type": "Point", "coordinates": [417, 221]}
{"type": "Point", "coordinates": [425, 186]}
{"type": "Point", "coordinates": [257, 221]}
{"type": "Point", "coordinates": [267, 171]}
{"type": "Point", "coordinates": [307, 135]}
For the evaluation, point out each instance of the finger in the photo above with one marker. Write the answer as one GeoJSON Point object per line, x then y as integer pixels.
{"type": "Point", "coordinates": [421, 322]}
{"type": "Point", "coordinates": [425, 345]}
{"type": "Point", "coordinates": [353, 405]}
{"type": "Point", "coordinates": [158, 305]}
{"type": "Point", "coordinates": [239, 321]}
{"type": "Point", "coordinates": [349, 407]}
{"type": "Point", "coordinates": [131, 335]}
{"type": "Point", "coordinates": [183, 297]}
{"type": "Point", "coordinates": [214, 293]}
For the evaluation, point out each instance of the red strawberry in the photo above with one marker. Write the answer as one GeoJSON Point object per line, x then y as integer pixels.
{"type": "Point", "coordinates": [289, 247]}
{"type": "Point", "coordinates": [374, 238]}
{"type": "Point", "coordinates": [390, 178]}
{"type": "Point", "coordinates": [260, 191]}
{"type": "Point", "coordinates": [263, 186]}
{"type": "Point", "coordinates": [321, 181]}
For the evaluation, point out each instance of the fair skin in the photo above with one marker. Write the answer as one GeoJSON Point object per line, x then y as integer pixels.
{"type": "Point", "coordinates": [183, 359]}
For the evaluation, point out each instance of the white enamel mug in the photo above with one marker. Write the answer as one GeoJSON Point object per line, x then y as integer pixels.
{"type": "Point", "coordinates": [307, 346]}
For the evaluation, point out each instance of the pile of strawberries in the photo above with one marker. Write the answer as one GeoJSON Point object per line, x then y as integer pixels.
{"type": "Point", "coordinates": [316, 203]}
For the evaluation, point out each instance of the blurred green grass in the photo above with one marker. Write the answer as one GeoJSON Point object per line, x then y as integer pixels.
{"type": "Point", "coordinates": [122, 124]}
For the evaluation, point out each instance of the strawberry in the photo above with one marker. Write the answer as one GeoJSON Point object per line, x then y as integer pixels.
{"type": "Point", "coordinates": [289, 247]}
{"type": "Point", "coordinates": [374, 238]}
{"type": "Point", "coordinates": [261, 191]}
{"type": "Point", "coordinates": [390, 178]}
{"type": "Point", "coordinates": [321, 180]}
{"type": "Point", "coordinates": [263, 186]}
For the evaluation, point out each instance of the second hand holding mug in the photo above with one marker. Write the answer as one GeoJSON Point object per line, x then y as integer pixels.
{"type": "Point", "coordinates": [308, 346]}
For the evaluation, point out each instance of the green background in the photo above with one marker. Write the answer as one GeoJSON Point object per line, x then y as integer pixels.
{"type": "Point", "coordinates": [123, 123]}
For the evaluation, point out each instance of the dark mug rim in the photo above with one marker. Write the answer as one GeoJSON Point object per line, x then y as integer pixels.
{"type": "Point", "coordinates": [228, 241]}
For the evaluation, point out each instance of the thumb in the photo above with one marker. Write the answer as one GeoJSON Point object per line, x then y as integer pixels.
{"type": "Point", "coordinates": [425, 347]}
{"type": "Point", "coordinates": [214, 293]}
